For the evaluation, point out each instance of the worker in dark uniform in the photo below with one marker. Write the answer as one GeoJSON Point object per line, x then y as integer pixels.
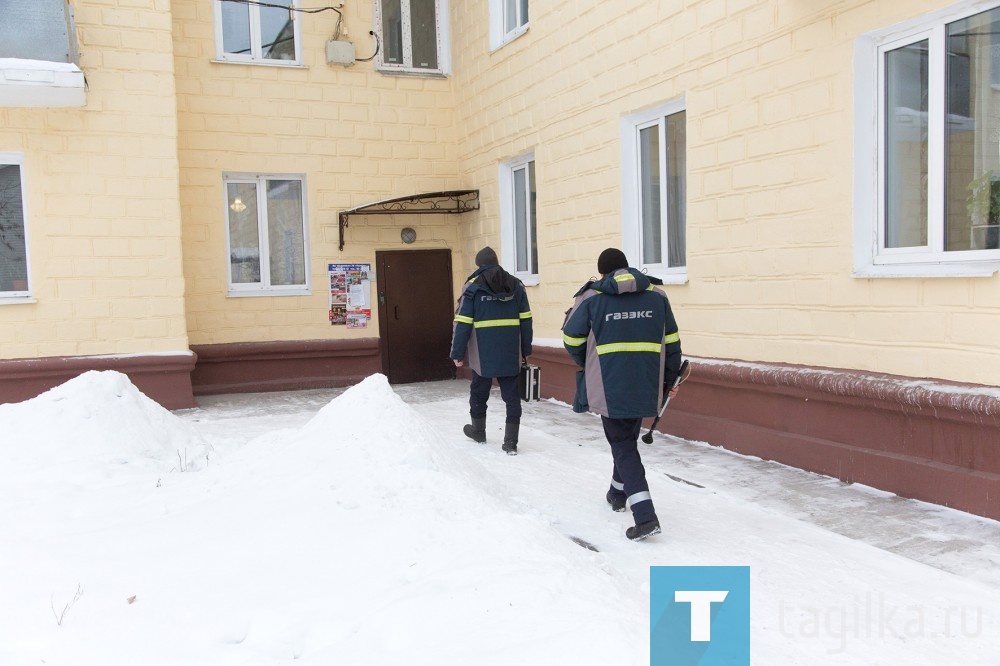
{"type": "Point", "coordinates": [621, 332]}
{"type": "Point", "coordinates": [492, 331]}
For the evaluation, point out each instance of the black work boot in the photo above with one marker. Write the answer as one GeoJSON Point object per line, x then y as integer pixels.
{"type": "Point", "coordinates": [643, 530]}
{"type": "Point", "coordinates": [510, 438]}
{"type": "Point", "coordinates": [616, 500]}
{"type": "Point", "coordinates": [476, 431]}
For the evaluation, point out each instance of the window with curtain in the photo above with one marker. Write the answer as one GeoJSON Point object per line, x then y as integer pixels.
{"type": "Point", "coordinates": [257, 33]}
{"type": "Point", "coordinates": [266, 235]}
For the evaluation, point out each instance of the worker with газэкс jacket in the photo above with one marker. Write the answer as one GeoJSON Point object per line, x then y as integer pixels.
{"type": "Point", "coordinates": [622, 332]}
{"type": "Point", "coordinates": [493, 329]}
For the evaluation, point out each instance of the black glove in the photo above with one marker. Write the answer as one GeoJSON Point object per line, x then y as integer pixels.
{"type": "Point", "coordinates": [668, 380]}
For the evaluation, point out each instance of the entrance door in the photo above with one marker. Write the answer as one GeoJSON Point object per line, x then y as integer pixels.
{"type": "Point", "coordinates": [415, 313]}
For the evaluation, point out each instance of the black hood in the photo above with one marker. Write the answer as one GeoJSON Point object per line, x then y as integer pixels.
{"type": "Point", "coordinates": [499, 281]}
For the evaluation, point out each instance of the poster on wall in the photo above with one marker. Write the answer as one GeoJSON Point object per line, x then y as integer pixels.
{"type": "Point", "coordinates": [350, 295]}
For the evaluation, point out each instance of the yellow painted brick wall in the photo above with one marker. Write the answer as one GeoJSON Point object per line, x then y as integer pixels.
{"type": "Point", "coordinates": [357, 135]}
{"type": "Point", "coordinates": [768, 86]}
{"type": "Point", "coordinates": [102, 188]}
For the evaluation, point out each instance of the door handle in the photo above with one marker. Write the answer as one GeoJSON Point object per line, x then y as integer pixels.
{"type": "Point", "coordinates": [395, 311]}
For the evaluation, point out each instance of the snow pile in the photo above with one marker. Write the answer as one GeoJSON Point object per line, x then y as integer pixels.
{"type": "Point", "coordinates": [360, 538]}
{"type": "Point", "coordinates": [97, 418]}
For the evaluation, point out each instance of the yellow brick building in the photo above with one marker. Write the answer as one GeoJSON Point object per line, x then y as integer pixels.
{"type": "Point", "coordinates": [185, 184]}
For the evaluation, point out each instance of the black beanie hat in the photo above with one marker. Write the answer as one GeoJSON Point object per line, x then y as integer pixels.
{"type": "Point", "coordinates": [486, 257]}
{"type": "Point", "coordinates": [611, 260]}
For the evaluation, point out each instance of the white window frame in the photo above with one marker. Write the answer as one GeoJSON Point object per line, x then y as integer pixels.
{"type": "Point", "coordinates": [508, 221]}
{"type": "Point", "coordinates": [407, 68]}
{"type": "Point", "coordinates": [20, 295]}
{"type": "Point", "coordinates": [264, 287]}
{"type": "Point", "coordinates": [255, 57]}
{"type": "Point", "coordinates": [500, 32]}
{"type": "Point", "coordinates": [631, 191]}
{"type": "Point", "coordinates": [871, 257]}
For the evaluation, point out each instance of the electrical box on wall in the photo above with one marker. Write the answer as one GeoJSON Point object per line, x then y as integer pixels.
{"type": "Point", "coordinates": [339, 53]}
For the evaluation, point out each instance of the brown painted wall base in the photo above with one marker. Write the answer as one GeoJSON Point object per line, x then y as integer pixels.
{"type": "Point", "coordinates": [249, 367]}
{"type": "Point", "coordinates": [929, 440]}
{"type": "Point", "coordinates": [164, 378]}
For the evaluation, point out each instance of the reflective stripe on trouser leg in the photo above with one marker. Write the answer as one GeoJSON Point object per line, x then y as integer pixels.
{"type": "Point", "coordinates": [623, 435]}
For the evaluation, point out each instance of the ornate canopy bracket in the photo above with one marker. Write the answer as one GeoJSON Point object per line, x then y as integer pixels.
{"type": "Point", "coordinates": [454, 201]}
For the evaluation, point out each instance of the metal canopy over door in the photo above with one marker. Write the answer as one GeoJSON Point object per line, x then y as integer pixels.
{"type": "Point", "coordinates": [415, 313]}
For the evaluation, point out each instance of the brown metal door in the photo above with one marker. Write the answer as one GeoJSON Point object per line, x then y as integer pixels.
{"type": "Point", "coordinates": [415, 313]}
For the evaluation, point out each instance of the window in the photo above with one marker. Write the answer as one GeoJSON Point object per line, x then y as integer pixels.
{"type": "Point", "coordinates": [519, 239]}
{"type": "Point", "coordinates": [13, 234]}
{"type": "Point", "coordinates": [935, 208]}
{"type": "Point", "coordinates": [256, 33]}
{"type": "Point", "coordinates": [654, 190]}
{"type": "Point", "coordinates": [38, 55]}
{"type": "Point", "coordinates": [508, 20]}
{"type": "Point", "coordinates": [266, 235]}
{"type": "Point", "coordinates": [414, 36]}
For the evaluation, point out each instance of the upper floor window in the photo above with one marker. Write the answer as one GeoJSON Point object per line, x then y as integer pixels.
{"type": "Point", "coordinates": [933, 203]}
{"type": "Point", "coordinates": [266, 235]}
{"type": "Point", "coordinates": [414, 36]}
{"type": "Point", "coordinates": [519, 237]}
{"type": "Point", "coordinates": [654, 190]}
{"type": "Point", "coordinates": [13, 233]}
{"type": "Point", "coordinates": [258, 32]}
{"type": "Point", "coordinates": [508, 19]}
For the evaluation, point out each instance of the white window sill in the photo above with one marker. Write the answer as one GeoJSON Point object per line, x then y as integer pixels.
{"type": "Point", "coordinates": [40, 83]}
{"type": "Point", "coordinates": [667, 278]}
{"type": "Point", "coordinates": [939, 270]}
{"type": "Point", "coordinates": [528, 280]}
{"type": "Point", "coordinates": [269, 292]}
{"type": "Point", "coordinates": [510, 37]}
{"type": "Point", "coordinates": [409, 71]}
{"type": "Point", "coordinates": [17, 300]}
{"type": "Point", "coordinates": [265, 63]}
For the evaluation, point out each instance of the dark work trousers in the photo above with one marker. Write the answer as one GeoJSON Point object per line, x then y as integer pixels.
{"type": "Point", "coordinates": [479, 393]}
{"type": "Point", "coordinates": [623, 435]}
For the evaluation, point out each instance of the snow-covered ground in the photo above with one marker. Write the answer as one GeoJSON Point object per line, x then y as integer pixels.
{"type": "Point", "coordinates": [360, 526]}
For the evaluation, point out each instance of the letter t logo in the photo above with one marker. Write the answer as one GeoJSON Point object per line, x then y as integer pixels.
{"type": "Point", "coordinates": [701, 610]}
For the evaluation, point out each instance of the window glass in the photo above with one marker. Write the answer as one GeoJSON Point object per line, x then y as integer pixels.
{"type": "Point", "coordinates": [284, 229]}
{"type": "Point", "coordinates": [676, 189]}
{"type": "Point", "coordinates": [392, 32]}
{"type": "Point", "coordinates": [423, 34]}
{"type": "Point", "coordinates": [906, 160]}
{"type": "Point", "coordinates": [13, 245]}
{"type": "Point", "coordinates": [525, 235]}
{"type": "Point", "coordinates": [244, 238]}
{"type": "Point", "coordinates": [235, 28]}
{"type": "Point", "coordinates": [649, 193]}
{"type": "Point", "coordinates": [277, 31]}
{"type": "Point", "coordinates": [972, 140]}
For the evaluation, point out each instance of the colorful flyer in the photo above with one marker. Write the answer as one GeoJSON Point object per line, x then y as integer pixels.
{"type": "Point", "coordinates": [350, 295]}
